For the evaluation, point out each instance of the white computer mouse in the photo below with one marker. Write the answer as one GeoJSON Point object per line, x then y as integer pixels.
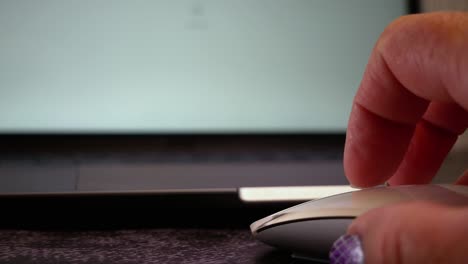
{"type": "Point", "coordinates": [308, 230]}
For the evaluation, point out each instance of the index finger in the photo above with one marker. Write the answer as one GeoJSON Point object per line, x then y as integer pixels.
{"type": "Point", "coordinates": [412, 102]}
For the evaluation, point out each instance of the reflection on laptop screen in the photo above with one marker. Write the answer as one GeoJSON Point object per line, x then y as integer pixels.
{"type": "Point", "coordinates": [184, 66]}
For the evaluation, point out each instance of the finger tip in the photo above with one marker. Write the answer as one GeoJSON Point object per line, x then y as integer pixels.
{"type": "Point", "coordinates": [362, 176]}
{"type": "Point", "coordinates": [363, 170]}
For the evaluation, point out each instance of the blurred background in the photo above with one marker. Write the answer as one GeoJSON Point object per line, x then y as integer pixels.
{"type": "Point", "coordinates": [281, 73]}
{"type": "Point", "coordinates": [192, 66]}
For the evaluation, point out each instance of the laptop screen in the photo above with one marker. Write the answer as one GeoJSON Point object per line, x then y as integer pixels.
{"type": "Point", "coordinates": [217, 66]}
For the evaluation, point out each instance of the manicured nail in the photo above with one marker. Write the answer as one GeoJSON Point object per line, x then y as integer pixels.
{"type": "Point", "coordinates": [347, 249]}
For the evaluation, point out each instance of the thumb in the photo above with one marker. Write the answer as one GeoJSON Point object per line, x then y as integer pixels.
{"type": "Point", "coordinates": [415, 232]}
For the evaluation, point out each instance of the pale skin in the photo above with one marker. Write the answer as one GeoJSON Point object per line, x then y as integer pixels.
{"type": "Point", "coordinates": [410, 108]}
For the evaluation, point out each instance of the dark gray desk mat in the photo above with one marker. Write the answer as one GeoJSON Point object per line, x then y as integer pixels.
{"type": "Point", "coordinates": [137, 246]}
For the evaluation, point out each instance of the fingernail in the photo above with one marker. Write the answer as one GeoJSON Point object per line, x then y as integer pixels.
{"type": "Point", "coordinates": [347, 249]}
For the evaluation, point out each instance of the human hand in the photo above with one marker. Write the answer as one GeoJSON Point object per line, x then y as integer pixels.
{"type": "Point", "coordinates": [410, 108]}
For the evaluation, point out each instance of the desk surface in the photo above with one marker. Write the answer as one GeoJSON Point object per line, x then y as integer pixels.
{"type": "Point", "coordinates": [165, 245]}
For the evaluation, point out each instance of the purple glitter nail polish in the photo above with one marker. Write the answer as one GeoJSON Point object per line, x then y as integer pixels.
{"type": "Point", "coordinates": [347, 250]}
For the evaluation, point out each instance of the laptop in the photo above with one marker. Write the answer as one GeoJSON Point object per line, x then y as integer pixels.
{"type": "Point", "coordinates": [247, 100]}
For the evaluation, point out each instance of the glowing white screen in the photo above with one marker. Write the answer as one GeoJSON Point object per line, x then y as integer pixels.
{"type": "Point", "coordinates": [184, 66]}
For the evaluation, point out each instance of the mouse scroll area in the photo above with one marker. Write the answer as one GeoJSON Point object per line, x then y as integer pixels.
{"type": "Point", "coordinates": [308, 239]}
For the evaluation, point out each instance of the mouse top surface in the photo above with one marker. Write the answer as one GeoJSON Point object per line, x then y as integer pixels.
{"type": "Point", "coordinates": [352, 204]}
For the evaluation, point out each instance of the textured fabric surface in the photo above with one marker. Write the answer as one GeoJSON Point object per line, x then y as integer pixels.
{"type": "Point", "coordinates": [136, 246]}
